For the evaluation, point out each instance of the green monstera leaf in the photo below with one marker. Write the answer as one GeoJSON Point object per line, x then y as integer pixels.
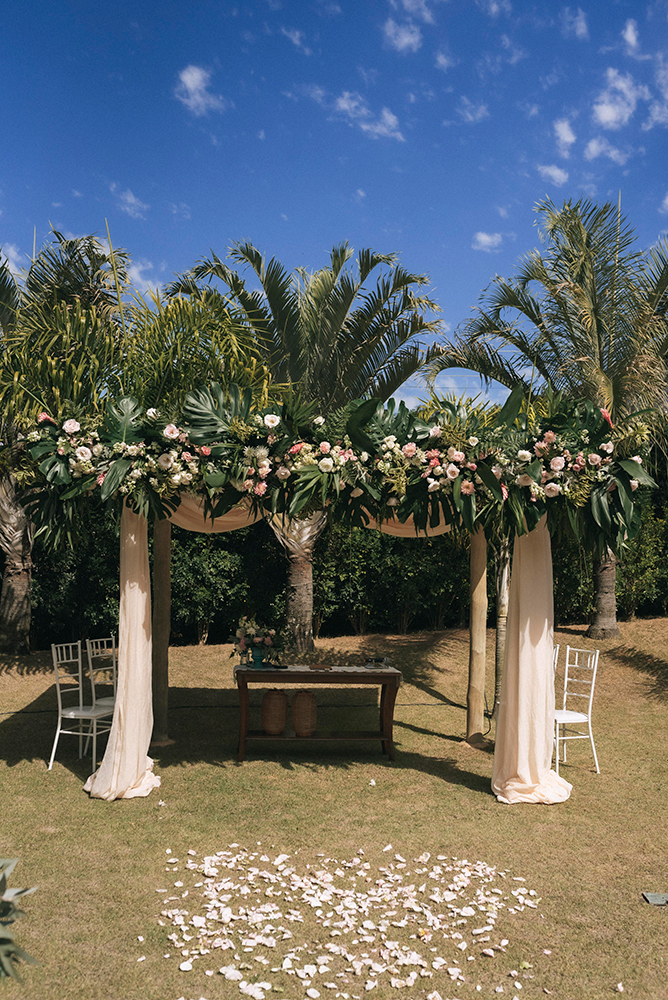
{"type": "Point", "coordinates": [123, 421]}
{"type": "Point", "coordinates": [211, 412]}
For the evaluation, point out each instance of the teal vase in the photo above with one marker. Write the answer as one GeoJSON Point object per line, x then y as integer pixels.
{"type": "Point", "coordinates": [257, 653]}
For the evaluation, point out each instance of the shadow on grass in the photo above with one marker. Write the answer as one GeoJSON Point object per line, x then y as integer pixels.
{"type": "Point", "coordinates": [644, 663]}
{"type": "Point", "coordinates": [30, 664]}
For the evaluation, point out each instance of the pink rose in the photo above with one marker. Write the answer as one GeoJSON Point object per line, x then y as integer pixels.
{"type": "Point", "coordinates": [205, 450]}
{"type": "Point", "coordinates": [325, 447]}
{"type": "Point", "coordinates": [409, 449]}
{"type": "Point", "coordinates": [171, 431]}
{"type": "Point", "coordinates": [45, 416]}
{"type": "Point", "coordinates": [458, 456]}
{"type": "Point", "coordinates": [186, 456]}
{"type": "Point", "coordinates": [557, 463]}
{"type": "Point", "coordinates": [260, 489]}
{"type": "Point", "coordinates": [296, 448]}
{"type": "Point", "coordinates": [552, 490]}
{"type": "Point", "coordinates": [594, 459]}
{"type": "Point", "coordinates": [248, 485]}
{"type": "Point", "coordinates": [71, 426]}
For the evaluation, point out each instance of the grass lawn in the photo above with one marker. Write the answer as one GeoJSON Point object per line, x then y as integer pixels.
{"type": "Point", "coordinates": [578, 925]}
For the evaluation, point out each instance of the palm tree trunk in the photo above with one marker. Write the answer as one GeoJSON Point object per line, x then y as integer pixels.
{"type": "Point", "coordinates": [475, 697]}
{"type": "Point", "coordinates": [162, 604]}
{"type": "Point", "coordinates": [604, 625]}
{"type": "Point", "coordinates": [16, 543]}
{"type": "Point", "coordinates": [502, 600]}
{"type": "Point", "coordinates": [298, 538]}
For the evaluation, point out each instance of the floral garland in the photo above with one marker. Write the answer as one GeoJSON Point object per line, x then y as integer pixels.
{"type": "Point", "coordinates": [506, 470]}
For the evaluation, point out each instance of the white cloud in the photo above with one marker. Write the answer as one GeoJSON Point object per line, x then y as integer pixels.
{"type": "Point", "coordinates": [630, 36]}
{"type": "Point", "coordinates": [180, 210]}
{"type": "Point", "coordinates": [574, 24]}
{"type": "Point", "coordinates": [601, 147]}
{"type": "Point", "coordinates": [495, 7]}
{"type": "Point", "coordinates": [402, 37]}
{"type": "Point", "coordinates": [16, 260]}
{"type": "Point", "coordinates": [76, 194]}
{"type": "Point", "coordinates": [530, 110]}
{"type": "Point", "coordinates": [298, 39]}
{"type": "Point", "coordinates": [658, 111]}
{"type": "Point", "coordinates": [138, 279]}
{"type": "Point", "coordinates": [554, 174]}
{"type": "Point", "coordinates": [472, 113]}
{"type": "Point", "coordinates": [129, 203]}
{"type": "Point", "coordinates": [193, 91]}
{"type": "Point", "coordinates": [385, 127]}
{"type": "Point", "coordinates": [515, 53]}
{"type": "Point", "coordinates": [444, 62]}
{"type": "Point", "coordinates": [416, 8]}
{"type": "Point", "coordinates": [489, 242]}
{"type": "Point", "coordinates": [261, 135]}
{"type": "Point", "coordinates": [359, 196]}
{"type": "Point", "coordinates": [615, 105]}
{"type": "Point", "coordinates": [664, 205]}
{"type": "Point", "coordinates": [353, 106]}
{"type": "Point", "coordinates": [503, 211]}
{"type": "Point", "coordinates": [565, 136]}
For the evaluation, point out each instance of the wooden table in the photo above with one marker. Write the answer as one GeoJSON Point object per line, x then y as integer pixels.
{"type": "Point", "coordinates": [387, 678]}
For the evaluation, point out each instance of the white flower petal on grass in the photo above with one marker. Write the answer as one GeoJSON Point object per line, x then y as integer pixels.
{"type": "Point", "coordinates": [186, 966]}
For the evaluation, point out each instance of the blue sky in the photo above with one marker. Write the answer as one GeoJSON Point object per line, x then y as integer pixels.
{"type": "Point", "coordinates": [426, 127]}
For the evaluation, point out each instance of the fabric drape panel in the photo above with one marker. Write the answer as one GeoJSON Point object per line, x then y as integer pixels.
{"type": "Point", "coordinates": [392, 526]}
{"type": "Point", "coordinates": [525, 728]}
{"type": "Point", "coordinates": [191, 516]}
{"type": "Point", "coordinates": [126, 769]}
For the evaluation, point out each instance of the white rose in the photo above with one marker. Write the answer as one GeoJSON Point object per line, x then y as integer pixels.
{"type": "Point", "coordinates": [432, 484]}
{"type": "Point", "coordinates": [166, 461]}
{"type": "Point", "coordinates": [636, 458]}
{"type": "Point", "coordinates": [319, 421]}
{"type": "Point", "coordinates": [452, 471]}
{"type": "Point", "coordinates": [97, 450]}
{"type": "Point", "coordinates": [473, 441]}
{"type": "Point", "coordinates": [83, 454]}
{"type": "Point", "coordinates": [552, 489]}
{"type": "Point", "coordinates": [326, 464]}
{"type": "Point", "coordinates": [71, 426]}
{"type": "Point", "coordinates": [524, 480]}
{"type": "Point", "coordinates": [171, 431]}
{"type": "Point", "coordinates": [524, 456]}
{"type": "Point", "coordinates": [608, 447]}
{"type": "Point", "coordinates": [152, 413]}
{"type": "Point", "coordinates": [282, 472]}
{"type": "Point", "coordinates": [435, 431]}
{"type": "Point", "coordinates": [271, 421]}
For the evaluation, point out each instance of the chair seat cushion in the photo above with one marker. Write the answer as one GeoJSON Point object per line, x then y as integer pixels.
{"type": "Point", "coordinates": [86, 712]}
{"type": "Point", "coordinates": [563, 715]}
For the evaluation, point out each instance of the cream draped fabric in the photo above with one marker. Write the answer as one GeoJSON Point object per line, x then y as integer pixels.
{"type": "Point", "coordinates": [190, 515]}
{"type": "Point", "coordinates": [126, 771]}
{"type": "Point", "coordinates": [525, 727]}
{"type": "Point", "coordinates": [392, 526]}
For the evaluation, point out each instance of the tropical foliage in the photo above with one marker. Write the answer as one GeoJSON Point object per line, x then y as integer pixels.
{"type": "Point", "coordinates": [10, 952]}
{"type": "Point", "coordinates": [368, 461]}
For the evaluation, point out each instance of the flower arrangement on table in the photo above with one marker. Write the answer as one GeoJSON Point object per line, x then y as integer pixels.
{"type": "Point", "coordinates": [262, 643]}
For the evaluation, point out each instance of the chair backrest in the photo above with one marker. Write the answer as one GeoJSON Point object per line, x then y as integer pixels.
{"type": "Point", "coordinates": [101, 660]}
{"type": "Point", "coordinates": [555, 657]}
{"type": "Point", "coordinates": [69, 674]}
{"type": "Point", "coordinates": [580, 678]}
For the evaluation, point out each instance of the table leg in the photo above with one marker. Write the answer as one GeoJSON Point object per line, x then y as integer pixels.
{"type": "Point", "coordinates": [387, 699]}
{"type": "Point", "coordinates": [244, 714]}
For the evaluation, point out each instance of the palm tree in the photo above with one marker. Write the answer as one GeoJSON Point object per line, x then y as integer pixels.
{"type": "Point", "coordinates": [332, 338]}
{"type": "Point", "coordinates": [65, 300]}
{"type": "Point", "coordinates": [587, 316]}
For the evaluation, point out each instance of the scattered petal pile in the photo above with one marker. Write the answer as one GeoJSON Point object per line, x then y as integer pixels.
{"type": "Point", "coordinates": [252, 917]}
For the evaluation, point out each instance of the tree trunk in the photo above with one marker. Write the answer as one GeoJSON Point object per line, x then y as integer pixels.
{"type": "Point", "coordinates": [604, 625]}
{"type": "Point", "coordinates": [502, 565]}
{"type": "Point", "coordinates": [298, 538]}
{"type": "Point", "coordinates": [475, 698]}
{"type": "Point", "coordinates": [162, 603]}
{"type": "Point", "coordinates": [16, 543]}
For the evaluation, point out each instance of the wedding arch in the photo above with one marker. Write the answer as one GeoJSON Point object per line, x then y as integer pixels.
{"type": "Point", "coordinates": [225, 464]}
